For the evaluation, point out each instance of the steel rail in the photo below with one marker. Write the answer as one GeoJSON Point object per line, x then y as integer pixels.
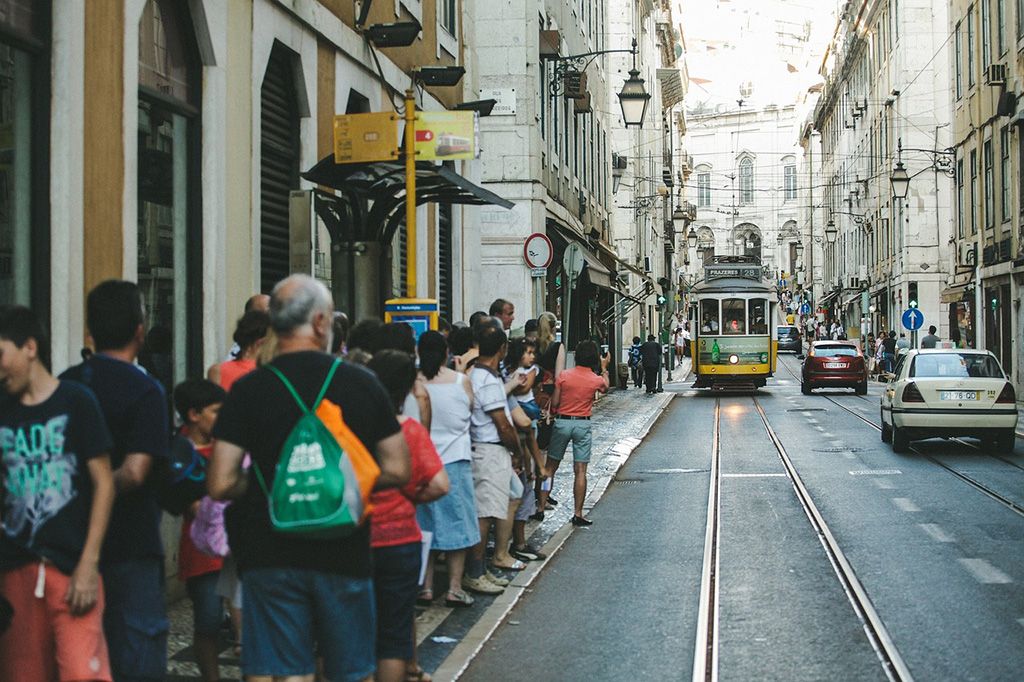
{"type": "Point", "coordinates": [895, 668]}
{"type": "Point", "coordinates": [705, 652]}
{"type": "Point", "coordinates": [978, 485]}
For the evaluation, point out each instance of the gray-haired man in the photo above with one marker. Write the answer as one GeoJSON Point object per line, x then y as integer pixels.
{"type": "Point", "coordinates": [300, 591]}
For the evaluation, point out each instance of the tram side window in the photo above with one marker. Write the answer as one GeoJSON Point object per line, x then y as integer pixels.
{"type": "Point", "coordinates": [758, 316]}
{"type": "Point", "coordinates": [709, 316]}
{"type": "Point", "coordinates": [734, 321]}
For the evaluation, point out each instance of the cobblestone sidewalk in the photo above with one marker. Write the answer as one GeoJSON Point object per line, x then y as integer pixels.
{"type": "Point", "coordinates": [618, 419]}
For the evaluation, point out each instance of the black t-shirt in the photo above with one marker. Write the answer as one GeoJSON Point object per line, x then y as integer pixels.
{"type": "Point", "coordinates": [135, 408]}
{"type": "Point", "coordinates": [650, 353]}
{"type": "Point", "coordinates": [47, 490]}
{"type": "Point", "coordinates": [257, 416]}
{"type": "Point", "coordinates": [889, 345]}
{"type": "Point", "coordinates": [549, 358]}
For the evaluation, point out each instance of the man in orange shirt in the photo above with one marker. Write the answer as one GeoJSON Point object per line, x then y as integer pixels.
{"type": "Point", "coordinates": [573, 403]}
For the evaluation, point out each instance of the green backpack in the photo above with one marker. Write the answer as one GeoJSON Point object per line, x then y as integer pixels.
{"type": "Point", "coordinates": [315, 492]}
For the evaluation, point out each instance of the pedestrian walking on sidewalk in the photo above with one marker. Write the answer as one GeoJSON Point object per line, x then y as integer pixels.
{"type": "Point", "coordinates": [452, 519]}
{"type": "Point", "coordinates": [573, 405]}
{"type": "Point", "coordinates": [650, 358]}
{"type": "Point", "coordinates": [636, 365]}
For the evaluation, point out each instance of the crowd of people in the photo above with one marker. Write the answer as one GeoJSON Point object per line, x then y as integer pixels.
{"type": "Point", "coordinates": [449, 440]}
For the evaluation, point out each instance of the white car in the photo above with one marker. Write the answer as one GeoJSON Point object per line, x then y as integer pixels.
{"type": "Point", "coordinates": [949, 392]}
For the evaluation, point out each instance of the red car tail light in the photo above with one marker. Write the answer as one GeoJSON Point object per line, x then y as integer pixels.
{"type": "Point", "coordinates": [1008, 395]}
{"type": "Point", "coordinates": [911, 394]}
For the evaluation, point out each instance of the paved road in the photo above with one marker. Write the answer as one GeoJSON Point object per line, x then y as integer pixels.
{"type": "Point", "coordinates": [940, 561]}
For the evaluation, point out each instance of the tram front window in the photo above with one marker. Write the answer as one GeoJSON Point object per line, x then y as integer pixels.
{"type": "Point", "coordinates": [734, 321]}
{"type": "Point", "coordinates": [709, 316]}
{"type": "Point", "coordinates": [758, 316]}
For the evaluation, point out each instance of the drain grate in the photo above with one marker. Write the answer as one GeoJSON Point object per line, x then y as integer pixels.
{"type": "Point", "coordinates": [627, 481]}
{"type": "Point", "coordinates": [807, 409]}
{"type": "Point", "coordinates": [836, 450]}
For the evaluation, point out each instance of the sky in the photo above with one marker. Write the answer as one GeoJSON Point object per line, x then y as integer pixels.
{"type": "Point", "coordinates": [765, 51]}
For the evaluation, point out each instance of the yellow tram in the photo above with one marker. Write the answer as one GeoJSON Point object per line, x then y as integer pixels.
{"type": "Point", "coordinates": [732, 325]}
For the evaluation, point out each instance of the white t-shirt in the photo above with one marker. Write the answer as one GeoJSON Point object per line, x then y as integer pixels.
{"type": "Point", "coordinates": [526, 371]}
{"type": "Point", "coordinates": [488, 395]}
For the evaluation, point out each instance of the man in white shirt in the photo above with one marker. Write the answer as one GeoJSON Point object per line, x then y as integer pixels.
{"type": "Point", "coordinates": [496, 451]}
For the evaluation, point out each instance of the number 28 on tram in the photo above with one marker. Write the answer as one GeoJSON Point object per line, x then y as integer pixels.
{"type": "Point", "coordinates": [731, 317]}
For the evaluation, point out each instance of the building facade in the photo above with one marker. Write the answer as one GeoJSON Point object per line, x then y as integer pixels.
{"type": "Point", "coordinates": [745, 187]}
{"type": "Point", "coordinates": [885, 74]}
{"type": "Point", "coordinates": [982, 298]}
{"type": "Point", "coordinates": [165, 142]}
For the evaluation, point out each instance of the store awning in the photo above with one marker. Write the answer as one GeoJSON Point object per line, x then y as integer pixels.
{"type": "Point", "coordinates": [374, 193]}
{"type": "Point", "coordinates": [954, 293]}
{"type": "Point", "coordinates": [600, 276]}
{"type": "Point", "coordinates": [827, 299]}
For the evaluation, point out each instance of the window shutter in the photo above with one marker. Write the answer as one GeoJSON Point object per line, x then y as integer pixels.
{"type": "Point", "coordinates": [279, 165]}
{"type": "Point", "coordinates": [444, 260]}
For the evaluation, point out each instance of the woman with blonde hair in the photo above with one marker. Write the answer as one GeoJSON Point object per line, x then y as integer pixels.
{"type": "Point", "coordinates": [551, 360]}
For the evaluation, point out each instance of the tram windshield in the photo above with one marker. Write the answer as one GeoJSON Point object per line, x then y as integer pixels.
{"type": "Point", "coordinates": [758, 316]}
{"type": "Point", "coordinates": [709, 316]}
{"type": "Point", "coordinates": [734, 312]}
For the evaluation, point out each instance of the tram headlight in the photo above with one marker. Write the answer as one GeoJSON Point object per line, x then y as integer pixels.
{"type": "Point", "coordinates": [734, 359]}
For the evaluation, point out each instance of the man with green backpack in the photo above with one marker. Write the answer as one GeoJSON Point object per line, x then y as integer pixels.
{"type": "Point", "coordinates": [322, 434]}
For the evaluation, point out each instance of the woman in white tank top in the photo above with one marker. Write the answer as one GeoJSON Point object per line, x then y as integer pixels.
{"type": "Point", "coordinates": [451, 519]}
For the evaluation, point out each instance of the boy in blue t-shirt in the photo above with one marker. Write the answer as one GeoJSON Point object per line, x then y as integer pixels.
{"type": "Point", "coordinates": [57, 495]}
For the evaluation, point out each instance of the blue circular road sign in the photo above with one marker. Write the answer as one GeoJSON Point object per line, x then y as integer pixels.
{"type": "Point", "coordinates": [913, 319]}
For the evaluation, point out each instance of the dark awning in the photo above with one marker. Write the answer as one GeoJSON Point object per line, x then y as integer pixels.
{"type": "Point", "coordinates": [374, 193]}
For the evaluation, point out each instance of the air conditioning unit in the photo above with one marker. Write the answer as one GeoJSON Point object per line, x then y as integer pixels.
{"type": "Point", "coordinates": [967, 255]}
{"type": "Point", "coordinates": [995, 74]}
{"type": "Point", "coordinates": [618, 162]}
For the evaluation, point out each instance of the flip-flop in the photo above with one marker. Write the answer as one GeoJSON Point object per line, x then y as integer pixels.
{"type": "Point", "coordinates": [425, 597]}
{"type": "Point", "coordinates": [517, 565]}
{"type": "Point", "coordinates": [458, 600]}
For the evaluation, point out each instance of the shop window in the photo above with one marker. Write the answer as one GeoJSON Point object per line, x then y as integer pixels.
{"type": "Point", "coordinates": [734, 321]}
{"type": "Point", "coordinates": [169, 245]}
{"type": "Point", "coordinates": [24, 150]}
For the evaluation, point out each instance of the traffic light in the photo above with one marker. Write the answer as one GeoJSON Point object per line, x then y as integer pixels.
{"type": "Point", "coordinates": [994, 303]}
{"type": "Point", "coordinates": [913, 304]}
{"type": "Point", "coordinates": [661, 300]}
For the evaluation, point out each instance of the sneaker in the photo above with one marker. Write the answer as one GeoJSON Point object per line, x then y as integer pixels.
{"type": "Point", "coordinates": [539, 516]}
{"type": "Point", "coordinates": [552, 501]}
{"type": "Point", "coordinates": [481, 585]}
{"type": "Point", "coordinates": [530, 549]}
{"type": "Point", "coordinates": [523, 554]}
{"type": "Point", "coordinates": [497, 580]}
{"type": "Point", "coordinates": [579, 521]}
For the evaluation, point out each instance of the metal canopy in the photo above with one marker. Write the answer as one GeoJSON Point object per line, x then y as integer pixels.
{"type": "Point", "coordinates": [373, 194]}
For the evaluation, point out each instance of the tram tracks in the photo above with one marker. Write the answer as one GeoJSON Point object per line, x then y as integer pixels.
{"type": "Point", "coordinates": [705, 667]}
{"type": "Point", "coordinates": [966, 478]}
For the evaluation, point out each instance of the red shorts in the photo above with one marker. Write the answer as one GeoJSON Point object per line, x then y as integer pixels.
{"type": "Point", "coordinates": [45, 642]}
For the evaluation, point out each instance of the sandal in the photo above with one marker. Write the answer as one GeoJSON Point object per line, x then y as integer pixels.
{"type": "Point", "coordinates": [530, 549]}
{"type": "Point", "coordinates": [418, 675]}
{"type": "Point", "coordinates": [425, 597]}
{"type": "Point", "coordinates": [458, 599]}
{"type": "Point", "coordinates": [517, 565]}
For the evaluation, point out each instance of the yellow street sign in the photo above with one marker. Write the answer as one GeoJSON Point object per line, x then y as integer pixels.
{"type": "Point", "coordinates": [361, 138]}
{"type": "Point", "coordinates": [446, 135]}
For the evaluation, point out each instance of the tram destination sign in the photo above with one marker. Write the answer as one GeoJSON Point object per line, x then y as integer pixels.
{"type": "Point", "coordinates": [722, 271]}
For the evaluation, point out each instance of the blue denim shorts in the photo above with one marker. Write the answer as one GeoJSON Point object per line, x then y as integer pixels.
{"type": "Point", "coordinates": [288, 609]}
{"type": "Point", "coordinates": [207, 606]}
{"type": "Point", "coordinates": [452, 518]}
{"type": "Point", "coordinates": [575, 431]}
{"type": "Point", "coordinates": [135, 619]}
{"type": "Point", "coordinates": [396, 573]}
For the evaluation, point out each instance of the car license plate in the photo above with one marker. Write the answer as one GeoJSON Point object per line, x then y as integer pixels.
{"type": "Point", "coordinates": [959, 395]}
{"type": "Point", "coordinates": [835, 365]}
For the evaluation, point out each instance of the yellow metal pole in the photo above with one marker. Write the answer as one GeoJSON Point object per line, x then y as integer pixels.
{"type": "Point", "coordinates": [410, 193]}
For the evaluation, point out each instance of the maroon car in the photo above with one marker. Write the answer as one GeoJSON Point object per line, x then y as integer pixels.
{"type": "Point", "coordinates": [837, 364]}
